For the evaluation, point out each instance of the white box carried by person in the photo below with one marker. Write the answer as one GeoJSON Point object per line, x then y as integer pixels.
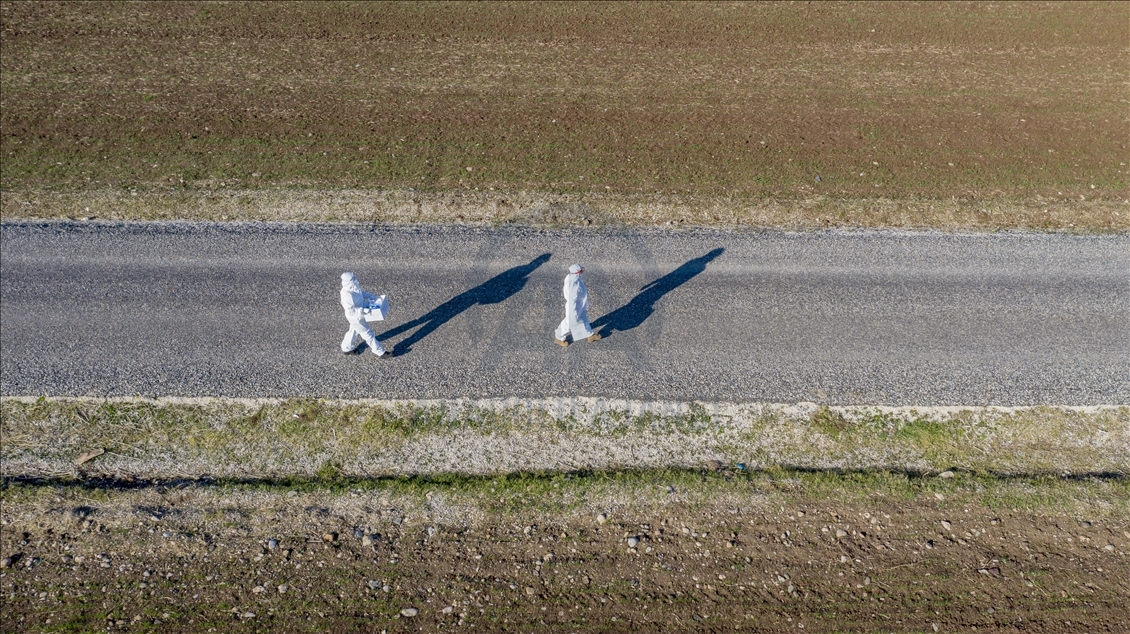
{"type": "Point", "coordinates": [376, 311]}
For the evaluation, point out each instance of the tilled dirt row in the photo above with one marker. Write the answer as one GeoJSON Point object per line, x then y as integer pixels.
{"type": "Point", "coordinates": [795, 563]}
{"type": "Point", "coordinates": [989, 104]}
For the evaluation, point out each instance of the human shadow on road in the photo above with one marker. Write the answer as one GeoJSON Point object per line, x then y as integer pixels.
{"type": "Point", "coordinates": [496, 289]}
{"type": "Point", "coordinates": [642, 306]}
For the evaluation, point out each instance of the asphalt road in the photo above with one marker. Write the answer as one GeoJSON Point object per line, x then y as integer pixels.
{"type": "Point", "coordinates": [871, 318]}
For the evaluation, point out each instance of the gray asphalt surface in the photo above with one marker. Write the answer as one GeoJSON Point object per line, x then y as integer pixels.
{"type": "Point", "coordinates": [847, 318]}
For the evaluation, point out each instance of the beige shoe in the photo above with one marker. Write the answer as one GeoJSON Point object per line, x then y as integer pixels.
{"type": "Point", "coordinates": [593, 337]}
{"type": "Point", "coordinates": [563, 344]}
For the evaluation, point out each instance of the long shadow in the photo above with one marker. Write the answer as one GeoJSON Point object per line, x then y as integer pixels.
{"type": "Point", "coordinates": [642, 306]}
{"type": "Point", "coordinates": [495, 290]}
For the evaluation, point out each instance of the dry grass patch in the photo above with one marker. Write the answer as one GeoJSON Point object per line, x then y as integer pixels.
{"type": "Point", "coordinates": [330, 439]}
{"type": "Point", "coordinates": [587, 209]}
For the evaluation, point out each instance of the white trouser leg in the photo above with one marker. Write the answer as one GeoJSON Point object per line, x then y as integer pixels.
{"type": "Point", "coordinates": [360, 329]}
{"type": "Point", "coordinates": [579, 325]}
{"type": "Point", "coordinates": [352, 338]}
{"type": "Point", "coordinates": [562, 330]}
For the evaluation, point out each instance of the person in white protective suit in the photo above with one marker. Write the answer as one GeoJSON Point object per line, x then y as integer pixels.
{"type": "Point", "coordinates": [353, 299]}
{"type": "Point", "coordinates": [576, 322]}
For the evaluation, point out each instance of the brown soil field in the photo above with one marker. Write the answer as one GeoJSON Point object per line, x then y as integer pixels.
{"type": "Point", "coordinates": [692, 552]}
{"type": "Point", "coordinates": [801, 114]}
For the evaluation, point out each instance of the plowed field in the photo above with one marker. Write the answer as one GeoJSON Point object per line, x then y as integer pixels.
{"type": "Point", "coordinates": [665, 552]}
{"type": "Point", "coordinates": [962, 114]}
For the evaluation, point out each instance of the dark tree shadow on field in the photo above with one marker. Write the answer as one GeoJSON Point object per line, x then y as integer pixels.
{"type": "Point", "coordinates": [642, 306]}
{"type": "Point", "coordinates": [496, 289]}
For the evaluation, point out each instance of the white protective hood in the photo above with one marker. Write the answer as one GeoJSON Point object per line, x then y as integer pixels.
{"type": "Point", "coordinates": [576, 295]}
{"type": "Point", "coordinates": [352, 297]}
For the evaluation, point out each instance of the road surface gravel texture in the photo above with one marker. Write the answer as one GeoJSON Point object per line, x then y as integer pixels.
{"type": "Point", "coordinates": [842, 317]}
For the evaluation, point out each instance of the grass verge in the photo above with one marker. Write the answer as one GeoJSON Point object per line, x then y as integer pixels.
{"type": "Point", "coordinates": [231, 439]}
{"type": "Point", "coordinates": [493, 207]}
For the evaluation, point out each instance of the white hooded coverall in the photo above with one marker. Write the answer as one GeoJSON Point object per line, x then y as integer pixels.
{"type": "Point", "coordinates": [576, 320]}
{"type": "Point", "coordinates": [353, 299]}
